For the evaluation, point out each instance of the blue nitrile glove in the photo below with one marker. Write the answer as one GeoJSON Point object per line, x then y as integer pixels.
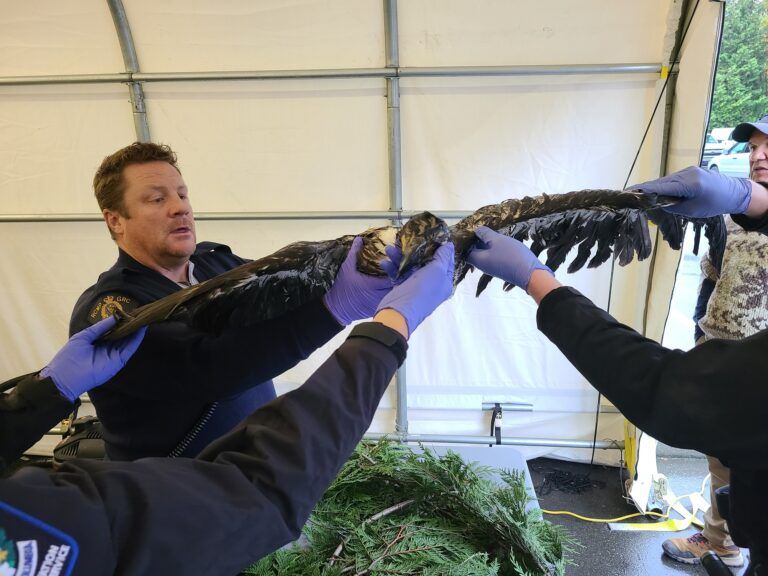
{"type": "Point", "coordinates": [704, 192]}
{"type": "Point", "coordinates": [392, 265]}
{"type": "Point", "coordinates": [425, 289]}
{"type": "Point", "coordinates": [504, 257]}
{"type": "Point", "coordinates": [80, 365]}
{"type": "Point", "coordinates": [355, 295]}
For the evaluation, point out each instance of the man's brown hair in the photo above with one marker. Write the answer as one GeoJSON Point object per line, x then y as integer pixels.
{"type": "Point", "coordinates": [108, 183]}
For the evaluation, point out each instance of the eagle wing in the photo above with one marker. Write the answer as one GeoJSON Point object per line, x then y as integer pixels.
{"type": "Point", "coordinates": [598, 223]}
{"type": "Point", "coordinates": [256, 291]}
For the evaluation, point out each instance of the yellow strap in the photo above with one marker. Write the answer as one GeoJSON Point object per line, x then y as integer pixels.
{"type": "Point", "coordinates": [671, 525]}
{"type": "Point", "coordinates": [601, 520]}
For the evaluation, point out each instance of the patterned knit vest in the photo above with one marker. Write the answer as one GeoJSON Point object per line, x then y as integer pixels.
{"type": "Point", "coordinates": [738, 306]}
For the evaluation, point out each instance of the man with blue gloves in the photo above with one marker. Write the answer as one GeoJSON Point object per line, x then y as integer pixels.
{"type": "Point", "coordinates": [187, 387]}
{"type": "Point", "coordinates": [668, 393]}
{"type": "Point", "coordinates": [245, 495]}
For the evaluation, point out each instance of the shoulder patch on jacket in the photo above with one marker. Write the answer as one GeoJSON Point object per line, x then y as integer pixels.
{"type": "Point", "coordinates": [110, 304]}
{"type": "Point", "coordinates": [206, 246]}
{"type": "Point", "coordinates": [30, 546]}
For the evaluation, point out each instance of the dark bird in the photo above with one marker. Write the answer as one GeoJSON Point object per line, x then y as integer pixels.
{"type": "Point", "coordinates": [599, 223]}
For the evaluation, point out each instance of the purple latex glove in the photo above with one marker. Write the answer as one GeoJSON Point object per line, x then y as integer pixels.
{"type": "Point", "coordinates": [392, 265]}
{"type": "Point", "coordinates": [704, 193]}
{"type": "Point", "coordinates": [355, 295]}
{"type": "Point", "coordinates": [80, 365]}
{"type": "Point", "coordinates": [504, 257]}
{"type": "Point", "coordinates": [418, 295]}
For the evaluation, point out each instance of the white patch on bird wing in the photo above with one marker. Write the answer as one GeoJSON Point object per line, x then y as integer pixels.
{"type": "Point", "coordinates": [245, 281]}
{"type": "Point", "coordinates": [388, 235]}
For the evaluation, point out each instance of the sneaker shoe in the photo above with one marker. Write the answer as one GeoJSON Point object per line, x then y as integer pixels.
{"type": "Point", "coordinates": [690, 550]}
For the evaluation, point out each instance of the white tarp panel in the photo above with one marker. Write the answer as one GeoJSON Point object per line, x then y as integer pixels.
{"type": "Point", "coordinates": [277, 146]}
{"type": "Point", "coordinates": [499, 32]}
{"type": "Point", "coordinates": [204, 35]}
{"type": "Point", "coordinates": [50, 37]}
{"type": "Point", "coordinates": [287, 145]}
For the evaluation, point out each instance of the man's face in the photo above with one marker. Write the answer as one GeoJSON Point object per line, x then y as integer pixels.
{"type": "Point", "coordinates": [158, 228]}
{"type": "Point", "coordinates": [758, 157]}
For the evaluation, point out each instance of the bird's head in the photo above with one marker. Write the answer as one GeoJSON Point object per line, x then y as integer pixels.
{"type": "Point", "coordinates": [419, 238]}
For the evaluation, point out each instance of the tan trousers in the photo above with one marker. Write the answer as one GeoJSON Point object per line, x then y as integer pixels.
{"type": "Point", "coordinates": [715, 528]}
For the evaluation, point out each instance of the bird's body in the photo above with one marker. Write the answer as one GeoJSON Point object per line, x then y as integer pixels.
{"type": "Point", "coordinates": [601, 221]}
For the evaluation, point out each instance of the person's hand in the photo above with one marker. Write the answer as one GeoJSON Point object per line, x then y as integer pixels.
{"type": "Point", "coordinates": [81, 365]}
{"type": "Point", "coordinates": [355, 295]}
{"type": "Point", "coordinates": [703, 193]}
{"type": "Point", "coordinates": [504, 257]}
{"type": "Point", "coordinates": [418, 295]}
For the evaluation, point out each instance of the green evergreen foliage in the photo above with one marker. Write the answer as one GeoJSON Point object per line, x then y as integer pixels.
{"type": "Point", "coordinates": [741, 85]}
{"type": "Point", "coordinates": [394, 511]}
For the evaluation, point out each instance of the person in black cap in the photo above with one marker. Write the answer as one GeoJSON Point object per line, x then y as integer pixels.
{"type": "Point", "coordinates": [756, 133]}
{"type": "Point", "coordinates": [726, 309]}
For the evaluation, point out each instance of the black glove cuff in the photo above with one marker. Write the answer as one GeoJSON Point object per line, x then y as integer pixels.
{"type": "Point", "coordinates": [39, 391]}
{"type": "Point", "coordinates": [390, 338]}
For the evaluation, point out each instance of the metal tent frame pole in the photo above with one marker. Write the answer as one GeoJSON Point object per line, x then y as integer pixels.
{"type": "Point", "coordinates": [131, 60]}
{"type": "Point", "coordinates": [395, 178]}
{"type": "Point", "coordinates": [394, 72]}
{"type": "Point", "coordinates": [508, 441]}
{"type": "Point", "coordinates": [394, 215]}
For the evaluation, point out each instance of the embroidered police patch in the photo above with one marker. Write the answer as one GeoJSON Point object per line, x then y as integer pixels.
{"type": "Point", "coordinates": [30, 547]}
{"type": "Point", "coordinates": [109, 305]}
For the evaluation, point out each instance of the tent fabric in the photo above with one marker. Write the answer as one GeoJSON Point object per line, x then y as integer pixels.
{"type": "Point", "coordinates": [321, 145]}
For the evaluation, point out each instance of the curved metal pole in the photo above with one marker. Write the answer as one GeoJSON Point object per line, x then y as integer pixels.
{"type": "Point", "coordinates": [135, 90]}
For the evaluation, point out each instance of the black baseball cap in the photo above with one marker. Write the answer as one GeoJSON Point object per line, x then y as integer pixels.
{"type": "Point", "coordinates": [743, 132]}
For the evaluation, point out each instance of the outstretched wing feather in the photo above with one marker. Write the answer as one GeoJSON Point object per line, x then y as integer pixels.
{"type": "Point", "coordinates": [599, 222]}
{"type": "Point", "coordinates": [257, 291]}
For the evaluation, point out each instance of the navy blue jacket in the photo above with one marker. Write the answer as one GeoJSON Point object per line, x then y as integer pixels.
{"type": "Point", "coordinates": [245, 495]}
{"type": "Point", "coordinates": [184, 388]}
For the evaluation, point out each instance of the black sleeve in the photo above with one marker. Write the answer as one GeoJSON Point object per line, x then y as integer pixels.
{"type": "Point", "coordinates": [27, 412]}
{"type": "Point", "coordinates": [187, 360]}
{"type": "Point", "coordinates": [705, 293]}
{"type": "Point", "coordinates": [247, 494]}
{"type": "Point", "coordinates": [752, 224]}
{"type": "Point", "coordinates": [712, 398]}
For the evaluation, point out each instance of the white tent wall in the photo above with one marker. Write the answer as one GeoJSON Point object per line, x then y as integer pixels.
{"type": "Point", "coordinates": [281, 145]}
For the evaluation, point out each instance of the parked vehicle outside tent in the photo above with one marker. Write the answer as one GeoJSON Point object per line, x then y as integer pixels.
{"type": "Point", "coordinates": [733, 162]}
{"type": "Point", "coordinates": [712, 148]}
{"type": "Point", "coordinates": [723, 135]}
